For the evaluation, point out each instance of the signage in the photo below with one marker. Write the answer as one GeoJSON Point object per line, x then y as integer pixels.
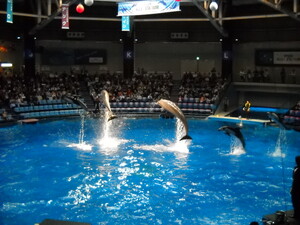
{"type": "Point", "coordinates": [134, 8]}
{"type": "Point", "coordinates": [9, 11]}
{"type": "Point", "coordinates": [125, 23]}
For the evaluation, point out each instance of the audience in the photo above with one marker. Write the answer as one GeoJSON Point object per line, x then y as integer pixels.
{"type": "Point", "coordinates": [15, 91]}
{"type": "Point", "coordinates": [204, 86]}
{"type": "Point", "coordinates": [150, 86]}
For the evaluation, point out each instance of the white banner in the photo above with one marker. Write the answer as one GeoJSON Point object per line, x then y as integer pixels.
{"type": "Point", "coordinates": [147, 7]}
{"type": "Point", "coordinates": [286, 58]}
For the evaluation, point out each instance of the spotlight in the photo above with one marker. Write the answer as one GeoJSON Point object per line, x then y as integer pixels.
{"type": "Point", "coordinates": [88, 2]}
{"type": "Point", "coordinates": [213, 5]}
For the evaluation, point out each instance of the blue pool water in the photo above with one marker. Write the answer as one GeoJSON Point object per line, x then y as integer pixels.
{"type": "Point", "coordinates": [134, 171]}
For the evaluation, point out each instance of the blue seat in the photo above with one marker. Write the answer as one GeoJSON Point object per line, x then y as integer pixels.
{"type": "Point", "coordinates": [17, 109]}
{"type": "Point", "coordinates": [47, 107]}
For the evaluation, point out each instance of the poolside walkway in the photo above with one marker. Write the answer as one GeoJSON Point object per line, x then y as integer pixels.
{"type": "Point", "coordinates": [222, 117]}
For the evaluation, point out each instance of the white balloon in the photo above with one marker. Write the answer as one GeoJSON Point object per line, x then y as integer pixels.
{"type": "Point", "coordinates": [88, 2]}
{"type": "Point", "coordinates": [213, 6]}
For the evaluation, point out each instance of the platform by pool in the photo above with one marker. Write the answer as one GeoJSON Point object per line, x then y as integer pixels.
{"type": "Point", "coordinates": [134, 171]}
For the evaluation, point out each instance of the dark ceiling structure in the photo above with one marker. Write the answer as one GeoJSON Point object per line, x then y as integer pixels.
{"type": "Point", "coordinates": [248, 20]}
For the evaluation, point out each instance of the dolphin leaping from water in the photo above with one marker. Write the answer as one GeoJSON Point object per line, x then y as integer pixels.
{"type": "Point", "coordinates": [75, 100]}
{"type": "Point", "coordinates": [105, 100]}
{"type": "Point", "coordinates": [235, 131]}
{"type": "Point", "coordinates": [276, 119]}
{"type": "Point", "coordinates": [175, 110]}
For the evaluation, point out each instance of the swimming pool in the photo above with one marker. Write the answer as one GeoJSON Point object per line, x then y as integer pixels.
{"type": "Point", "coordinates": [133, 171]}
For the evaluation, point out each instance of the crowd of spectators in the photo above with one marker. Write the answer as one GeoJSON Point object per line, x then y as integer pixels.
{"type": "Point", "coordinates": [17, 91]}
{"type": "Point", "coordinates": [263, 75]}
{"type": "Point", "coordinates": [257, 75]}
{"type": "Point", "coordinates": [141, 86]}
{"type": "Point", "coordinates": [204, 86]}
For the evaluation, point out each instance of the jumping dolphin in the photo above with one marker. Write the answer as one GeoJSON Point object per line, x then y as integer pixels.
{"type": "Point", "coordinates": [105, 100]}
{"type": "Point", "coordinates": [75, 100]}
{"type": "Point", "coordinates": [276, 119]}
{"type": "Point", "coordinates": [174, 109]}
{"type": "Point", "coordinates": [236, 131]}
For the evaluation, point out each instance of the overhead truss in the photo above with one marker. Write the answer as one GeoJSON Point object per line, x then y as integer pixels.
{"type": "Point", "coordinates": [291, 9]}
{"type": "Point", "coordinates": [215, 17]}
{"type": "Point", "coordinates": [45, 7]}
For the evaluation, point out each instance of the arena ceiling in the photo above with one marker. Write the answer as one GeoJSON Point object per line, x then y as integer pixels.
{"type": "Point", "coordinates": [232, 16]}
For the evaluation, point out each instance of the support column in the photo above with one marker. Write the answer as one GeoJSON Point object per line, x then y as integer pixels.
{"type": "Point", "coordinates": [227, 58]}
{"type": "Point", "coordinates": [128, 53]}
{"type": "Point", "coordinates": [29, 58]}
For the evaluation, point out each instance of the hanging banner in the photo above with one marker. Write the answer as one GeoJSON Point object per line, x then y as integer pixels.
{"type": "Point", "coordinates": [9, 11]}
{"type": "Point", "coordinates": [125, 23]}
{"type": "Point", "coordinates": [64, 16]}
{"type": "Point", "coordinates": [147, 7]}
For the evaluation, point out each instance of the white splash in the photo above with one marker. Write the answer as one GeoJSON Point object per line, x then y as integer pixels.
{"type": "Point", "coordinates": [179, 129]}
{"type": "Point", "coordinates": [179, 147]}
{"type": "Point", "coordinates": [82, 146]}
{"type": "Point", "coordinates": [281, 141]}
{"type": "Point", "coordinates": [236, 147]}
{"type": "Point", "coordinates": [109, 142]}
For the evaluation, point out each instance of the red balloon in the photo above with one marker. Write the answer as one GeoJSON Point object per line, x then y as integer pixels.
{"type": "Point", "coordinates": [80, 8]}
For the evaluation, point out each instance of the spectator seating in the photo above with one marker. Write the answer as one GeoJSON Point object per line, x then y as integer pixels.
{"type": "Point", "coordinates": [48, 108]}
{"type": "Point", "coordinates": [292, 117]}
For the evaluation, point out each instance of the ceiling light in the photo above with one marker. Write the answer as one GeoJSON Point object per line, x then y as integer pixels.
{"type": "Point", "coordinates": [213, 5]}
{"type": "Point", "coordinates": [6, 65]}
{"type": "Point", "coordinates": [88, 2]}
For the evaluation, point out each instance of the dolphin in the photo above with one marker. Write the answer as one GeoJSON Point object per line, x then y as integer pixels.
{"type": "Point", "coordinates": [75, 100]}
{"type": "Point", "coordinates": [236, 131]}
{"type": "Point", "coordinates": [276, 119]}
{"type": "Point", "coordinates": [105, 100]}
{"type": "Point", "coordinates": [175, 110]}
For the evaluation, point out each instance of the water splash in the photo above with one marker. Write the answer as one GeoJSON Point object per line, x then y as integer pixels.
{"type": "Point", "coordinates": [281, 142]}
{"type": "Point", "coordinates": [179, 130]}
{"type": "Point", "coordinates": [81, 132]}
{"type": "Point", "coordinates": [181, 147]}
{"type": "Point", "coordinates": [236, 147]}
{"type": "Point", "coordinates": [109, 143]}
{"type": "Point", "coordinates": [178, 147]}
{"type": "Point", "coordinates": [82, 145]}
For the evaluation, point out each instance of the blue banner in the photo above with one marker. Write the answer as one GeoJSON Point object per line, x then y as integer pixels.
{"type": "Point", "coordinates": [9, 11]}
{"type": "Point", "coordinates": [125, 23]}
{"type": "Point", "coordinates": [134, 8]}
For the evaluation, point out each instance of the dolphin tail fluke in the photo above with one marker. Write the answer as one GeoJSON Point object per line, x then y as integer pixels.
{"type": "Point", "coordinates": [111, 117]}
{"type": "Point", "coordinates": [186, 137]}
